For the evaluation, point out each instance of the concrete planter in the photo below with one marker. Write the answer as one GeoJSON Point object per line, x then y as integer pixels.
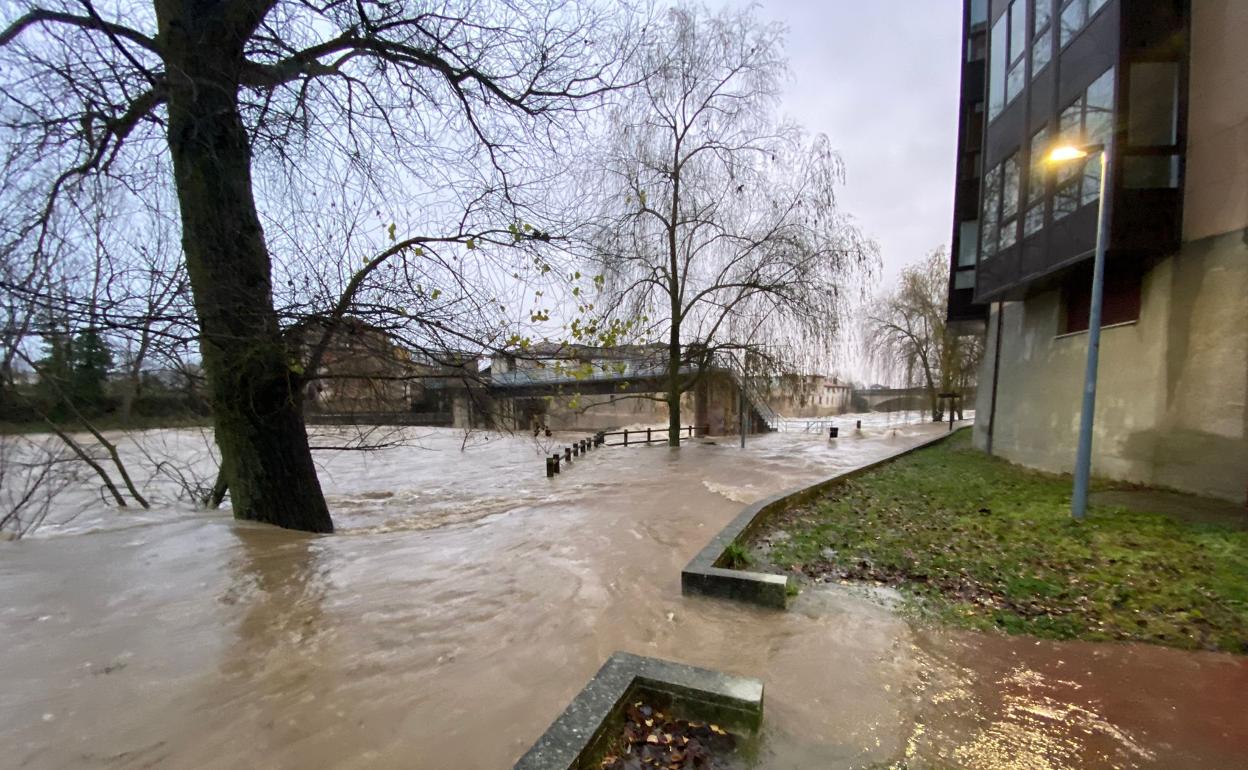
{"type": "Point", "coordinates": [578, 737]}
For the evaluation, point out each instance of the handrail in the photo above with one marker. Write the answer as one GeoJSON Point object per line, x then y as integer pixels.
{"type": "Point", "coordinates": [692, 430]}
{"type": "Point", "coordinates": [757, 401]}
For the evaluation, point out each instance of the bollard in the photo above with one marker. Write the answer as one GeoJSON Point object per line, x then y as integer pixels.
{"type": "Point", "coordinates": [860, 425]}
{"type": "Point", "coordinates": [647, 435]}
{"type": "Point", "coordinates": [576, 450]}
{"type": "Point", "coordinates": [567, 453]}
{"type": "Point", "coordinates": [555, 460]}
{"type": "Point", "coordinates": [626, 437]}
{"type": "Point", "coordinates": [833, 432]}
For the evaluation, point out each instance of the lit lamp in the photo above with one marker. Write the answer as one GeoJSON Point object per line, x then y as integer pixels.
{"type": "Point", "coordinates": [1083, 456]}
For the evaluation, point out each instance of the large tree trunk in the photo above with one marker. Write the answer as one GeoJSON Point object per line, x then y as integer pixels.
{"type": "Point", "coordinates": [253, 386]}
{"type": "Point", "coordinates": [673, 387]}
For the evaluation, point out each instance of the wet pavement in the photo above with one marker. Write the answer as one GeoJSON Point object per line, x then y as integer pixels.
{"type": "Point", "coordinates": [466, 599]}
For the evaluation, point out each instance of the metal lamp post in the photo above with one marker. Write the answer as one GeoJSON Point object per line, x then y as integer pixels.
{"type": "Point", "coordinates": [1083, 455]}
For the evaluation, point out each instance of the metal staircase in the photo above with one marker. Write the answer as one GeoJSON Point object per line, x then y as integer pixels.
{"type": "Point", "coordinates": [755, 398]}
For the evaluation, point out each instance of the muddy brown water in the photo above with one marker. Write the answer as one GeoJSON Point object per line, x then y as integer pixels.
{"type": "Point", "coordinates": [466, 600]}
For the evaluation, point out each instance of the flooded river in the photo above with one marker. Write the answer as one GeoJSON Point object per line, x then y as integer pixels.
{"type": "Point", "coordinates": [466, 599]}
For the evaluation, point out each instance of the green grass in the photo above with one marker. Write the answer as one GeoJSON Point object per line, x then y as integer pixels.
{"type": "Point", "coordinates": [984, 544]}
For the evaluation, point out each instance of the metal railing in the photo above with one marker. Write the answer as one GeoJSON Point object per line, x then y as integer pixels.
{"type": "Point", "coordinates": [552, 375]}
{"type": "Point", "coordinates": [756, 400]}
{"type": "Point", "coordinates": [652, 434]}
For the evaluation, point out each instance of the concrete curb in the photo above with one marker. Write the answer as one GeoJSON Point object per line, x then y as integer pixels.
{"type": "Point", "coordinates": [576, 736]}
{"type": "Point", "coordinates": [705, 573]}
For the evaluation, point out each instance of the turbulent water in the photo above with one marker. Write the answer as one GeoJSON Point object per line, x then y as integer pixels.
{"type": "Point", "coordinates": [466, 598]}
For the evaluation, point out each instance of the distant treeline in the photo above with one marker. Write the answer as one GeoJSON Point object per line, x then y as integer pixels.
{"type": "Point", "coordinates": [77, 379]}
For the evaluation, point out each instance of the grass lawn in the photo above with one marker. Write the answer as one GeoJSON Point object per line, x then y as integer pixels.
{"type": "Point", "coordinates": [985, 544]}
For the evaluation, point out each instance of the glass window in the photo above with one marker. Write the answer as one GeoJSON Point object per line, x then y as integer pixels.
{"type": "Point", "coordinates": [1099, 115]}
{"type": "Point", "coordinates": [1034, 220]}
{"type": "Point", "coordinates": [1094, 6]}
{"type": "Point", "coordinates": [1041, 52]}
{"type": "Point", "coordinates": [964, 279]}
{"type": "Point", "coordinates": [1018, 31]}
{"type": "Point", "coordinates": [977, 47]}
{"type": "Point", "coordinates": [1009, 187]}
{"type": "Point", "coordinates": [975, 126]}
{"type": "Point", "coordinates": [997, 67]}
{"type": "Point", "coordinates": [1153, 104]}
{"type": "Point", "coordinates": [1041, 14]}
{"type": "Point", "coordinates": [1072, 19]}
{"type": "Point", "coordinates": [1150, 171]}
{"type": "Point", "coordinates": [979, 12]}
{"type": "Point", "coordinates": [1066, 199]}
{"type": "Point", "coordinates": [968, 242]}
{"type": "Point", "coordinates": [1017, 79]}
{"type": "Point", "coordinates": [1036, 175]}
{"type": "Point", "coordinates": [988, 219]}
{"type": "Point", "coordinates": [1091, 180]}
{"type": "Point", "coordinates": [1070, 131]}
{"type": "Point", "coordinates": [1009, 234]}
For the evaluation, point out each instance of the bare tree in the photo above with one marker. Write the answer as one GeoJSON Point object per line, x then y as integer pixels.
{"type": "Point", "coordinates": [236, 95]}
{"type": "Point", "coordinates": [32, 474]}
{"type": "Point", "coordinates": [906, 329]}
{"type": "Point", "coordinates": [723, 233]}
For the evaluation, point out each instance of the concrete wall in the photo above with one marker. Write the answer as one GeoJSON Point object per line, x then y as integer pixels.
{"type": "Point", "coordinates": [1172, 386]}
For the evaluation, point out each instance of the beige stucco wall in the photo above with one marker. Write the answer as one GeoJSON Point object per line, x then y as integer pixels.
{"type": "Point", "coordinates": [1172, 387]}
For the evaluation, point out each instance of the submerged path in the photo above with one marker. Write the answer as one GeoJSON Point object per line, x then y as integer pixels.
{"type": "Point", "coordinates": [466, 599]}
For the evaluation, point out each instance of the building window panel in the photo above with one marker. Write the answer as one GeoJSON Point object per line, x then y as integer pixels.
{"type": "Point", "coordinates": [1041, 14]}
{"type": "Point", "coordinates": [1066, 200]}
{"type": "Point", "coordinates": [1041, 53]}
{"type": "Point", "coordinates": [1070, 131]}
{"type": "Point", "coordinates": [989, 216]}
{"type": "Point", "coordinates": [1018, 31]}
{"type": "Point", "coordinates": [977, 47]}
{"type": "Point", "coordinates": [1038, 169]}
{"type": "Point", "coordinates": [964, 279]}
{"type": "Point", "coordinates": [1150, 172]}
{"type": "Point", "coordinates": [1153, 104]}
{"type": "Point", "coordinates": [1074, 14]}
{"type": "Point", "coordinates": [1099, 108]}
{"type": "Point", "coordinates": [1009, 233]}
{"type": "Point", "coordinates": [1091, 181]}
{"type": "Point", "coordinates": [1009, 187]}
{"type": "Point", "coordinates": [1033, 222]}
{"type": "Point", "coordinates": [1015, 82]}
{"type": "Point", "coordinates": [979, 12]}
{"type": "Point", "coordinates": [968, 242]}
{"type": "Point", "coordinates": [997, 67]}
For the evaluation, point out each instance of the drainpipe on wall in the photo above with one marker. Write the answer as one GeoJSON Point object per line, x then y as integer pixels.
{"type": "Point", "coordinates": [996, 373]}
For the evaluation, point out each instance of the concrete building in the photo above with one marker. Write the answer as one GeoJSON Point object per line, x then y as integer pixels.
{"type": "Point", "coordinates": [1169, 78]}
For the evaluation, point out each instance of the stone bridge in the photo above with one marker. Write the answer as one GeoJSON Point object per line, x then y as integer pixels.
{"type": "Point", "coordinates": [715, 401]}
{"type": "Point", "coordinates": [902, 399]}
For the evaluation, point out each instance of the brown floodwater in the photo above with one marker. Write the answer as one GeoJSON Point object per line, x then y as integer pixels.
{"type": "Point", "coordinates": [466, 599]}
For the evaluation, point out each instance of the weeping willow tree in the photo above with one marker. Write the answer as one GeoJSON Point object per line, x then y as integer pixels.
{"type": "Point", "coordinates": [906, 330]}
{"type": "Point", "coordinates": [722, 235]}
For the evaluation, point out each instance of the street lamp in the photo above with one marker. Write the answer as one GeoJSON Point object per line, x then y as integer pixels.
{"type": "Point", "coordinates": [1083, 456]}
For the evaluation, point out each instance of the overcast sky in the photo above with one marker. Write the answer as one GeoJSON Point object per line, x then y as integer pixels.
{"type": "Point", "coordinates": [880, 78]}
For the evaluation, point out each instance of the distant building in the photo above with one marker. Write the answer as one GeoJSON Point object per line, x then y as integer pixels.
{"type": "Point", "coordinates": [366, 372]}
{"type": "Point", "coordinates": [808, 395]}
{"type": "Point", "coordinates": [1169, 79]}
